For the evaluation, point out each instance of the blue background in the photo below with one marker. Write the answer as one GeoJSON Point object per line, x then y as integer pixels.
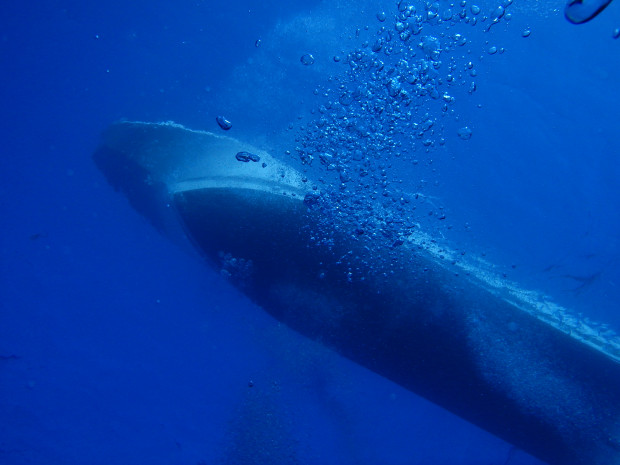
{"type": "Point", "coordinates": [118, 347]}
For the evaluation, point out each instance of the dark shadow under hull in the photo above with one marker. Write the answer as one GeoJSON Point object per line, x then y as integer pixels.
{"type": "Point", "coordinates": [489, 352]}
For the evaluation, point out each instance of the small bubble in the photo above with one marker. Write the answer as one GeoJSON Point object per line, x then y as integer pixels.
{"type": "Point", "coordinates": [475, 9]}
{"type": "Point", "coordinates": [492, 50]}
{"type": "Point", "coordinates": [465, 133]}
{"type": "Point", "coordinates": [459, 39]}
{"type": "Point", "coordinates": [337, 58]}
{"type": "Point", "coordinates": [223, 123]}
{"type": "Point", "coordinates": [527, 32]}
{"type": "Point", "coordinates": [307, 59]}
{"type": "Point", "coordinates": [257, 43]}
{"type": "Point", "coordinates": [616, 33]}
{"type": "Point", "coordinates": [381, 16]}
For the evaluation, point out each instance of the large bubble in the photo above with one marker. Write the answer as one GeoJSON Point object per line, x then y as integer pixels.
{"type": "Point", "coordinates": [582, 11]}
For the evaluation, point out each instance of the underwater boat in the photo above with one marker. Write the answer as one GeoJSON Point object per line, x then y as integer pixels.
{"type": "Point", "coordinates": [440, 324]}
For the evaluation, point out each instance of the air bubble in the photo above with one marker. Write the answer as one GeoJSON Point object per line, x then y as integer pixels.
{"type": "Point", "coordinates": [446, 15]}
{"type": "Point", "coordinates": [465, 133]}
{"type": "Point", "coordinates": [526, 33]}
{"type": "Point", "coordinates": [498, 13]}
{"type": "Point", "coordinates": [381, 16]}
{"type": "Point", "coordinates": [307, 59]}
{"type": "Point", "coordinates": [460, 40]}
{"type": "Point", "coordinates": [247, 157]}
{"type": "Point", "coordinates": [223, 123]}
{"type": "Point", "coordinates": [400, 26]}
{"type": "Point", "coordinates": [432, 47]}
{"type": "Point", "coordinates": [579, 11]}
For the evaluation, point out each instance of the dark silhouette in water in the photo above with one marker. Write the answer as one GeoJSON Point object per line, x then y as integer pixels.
{"type": "Point", "coordinates": [586, 281]}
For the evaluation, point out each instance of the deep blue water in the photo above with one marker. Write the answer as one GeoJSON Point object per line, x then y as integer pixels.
{"type": "Point", "coordinates": [118, 347]}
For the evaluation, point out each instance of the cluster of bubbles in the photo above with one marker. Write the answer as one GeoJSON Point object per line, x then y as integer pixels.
{"type": "Point", "coordinates": [387, 108]}
{"type": "Point", "coordinates": [236, 269]}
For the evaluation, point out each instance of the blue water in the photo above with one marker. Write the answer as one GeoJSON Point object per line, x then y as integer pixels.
{"type": "Point", "coordinates": [117, 347]}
